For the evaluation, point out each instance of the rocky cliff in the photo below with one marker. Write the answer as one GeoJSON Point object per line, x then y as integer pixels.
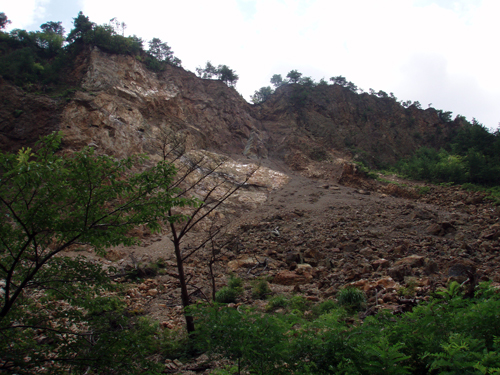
{"type": "Point", "coordinates": [119, 105]}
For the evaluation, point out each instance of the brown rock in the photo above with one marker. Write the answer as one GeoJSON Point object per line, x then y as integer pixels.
{"type": "Point", "coordinates": [380, 264]}
{"type": "Point", "coordinates": [313, 253]}
{"type": "Point", "coordinates": [398, 273]}
{"type": "Point", "coordinates": [152, 292]}
{"type": "Point", "coordinates": [431, 267]}
{"type": "Point", "coordinates": [114, 255]}
{"type": "Point", "coordinates": [411, 261]}
{"type": "Point", "coordinates": [387, 283]}
{"type": "Point", "coordinates": [241, 263]}
{"type": "Point", "coordinates": [289, 278]}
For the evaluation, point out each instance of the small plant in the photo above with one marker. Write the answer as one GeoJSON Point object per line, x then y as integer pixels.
{"type": "Point", "coordinates": [261, 290]}
{"type": "Point", "coordinates": [279, 301]}
{"type": "Point", "coordinates": [325, 307]}
{"type": "Point", "coordinates": [226, 295]}
{"type": "Point", "coordinates": [409, 290]}
{"type": "Point", "coordinates": [351, 298]}
{"type": "Point", "coordinates": [235, 283]}
{"type": "Point", "coordinates": [454, 290]}
{"type": "Point", "coordinates": [227, 370]}
{"type": "Point", "coordinates": [422, 190]}
{"type": "Point", "coordinates": [298, 303]}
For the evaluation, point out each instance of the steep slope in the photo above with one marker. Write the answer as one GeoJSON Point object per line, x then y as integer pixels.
{"type": "Point", "coordinates": [379, 131]}
{"type": "Point", "coordinates": [120, 105]}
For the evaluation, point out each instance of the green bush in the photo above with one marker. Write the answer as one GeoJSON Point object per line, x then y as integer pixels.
{"type": "Point", "coordinates": [299, 303]}
{"type": "Point", "coordinates": [261, 290]}
{"type": "Point", "coordinates": [449, 335]}
{"type": "Point", "coordinates": [351, 298]}
{"type": "Point", "coordinates": [325, 307]}
{"type": "Point", "coordinates": [276, 302]}
{"type": "Point", "coordinates": [226, 295]}
{"type": "Point", "coordinates": [235, 283]}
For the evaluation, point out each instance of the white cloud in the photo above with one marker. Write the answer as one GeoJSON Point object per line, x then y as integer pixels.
{"type": "Point", "coordinates": [24, 13]}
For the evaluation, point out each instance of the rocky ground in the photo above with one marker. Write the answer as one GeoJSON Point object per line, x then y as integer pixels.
{"type": "Point", "coordinates": [396, 242]}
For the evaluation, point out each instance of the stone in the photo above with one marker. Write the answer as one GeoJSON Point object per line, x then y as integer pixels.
{"type": "Point", "coordinates": [387, 283]}
{"type": "Point", "coordinates": [152, 292]}
{"type": "Point", "coordinates": [398, 273]}
{"type": "Point", "coordinates": [430, 267]}
{"type": "Point", "coordinates": [292, 257]}
{"type": "Point", "coordinates": [380, 264]}
{"type": "Point", "coordinates": [114, 255]}
{"type": "Point", "coordinates": [411, 261]}
{"type": "Point", "coordinates": [241, 263]}
{"type": "Point", "coordinates": [289, 278]}
{"type": "Point", "coordinates": [313, 253]}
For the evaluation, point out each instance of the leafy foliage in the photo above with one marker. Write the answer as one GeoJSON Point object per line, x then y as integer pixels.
{"type": "Point", "coordinates": [277, 80]}
{"type": "Point", "coordinates": [351, 298]}
{"type": "Point", "coordinates": [229, 293]}
{"type": "Point", "coordinates": [221, 72]}
{"type": "Point", "coordinates": [446, 335]}
{"type": "Point", "coordinates": [226, 295]}
{"type": "Point", "coordinates": [474, 157]}
{"type": "Point", "coordinates": [41, 56]}
{"type": "Point", "coordinates": [293, 76]}
{"type": "Point", "coordinates": [4, 21]}
{"type": "Point", "coordinates": [261, 95]}
{"type": "Point", "coordinates": [54, 309]}
{"type": "Point", "coordinates": [261, 289]}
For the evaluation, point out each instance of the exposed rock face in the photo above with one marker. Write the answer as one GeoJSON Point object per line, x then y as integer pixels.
{"type": "Point", "coordinates": [333, 117]}
{"type": "Point", "coordinates": [124, 103]}
{"type": "Point", "coordinates": [121, 104]}
{"type": "Point", "coordinates": [25, 117]}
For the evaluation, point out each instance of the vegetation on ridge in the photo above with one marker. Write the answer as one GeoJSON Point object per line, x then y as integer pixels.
{"type": "Point", "coordinates": [40, 58]}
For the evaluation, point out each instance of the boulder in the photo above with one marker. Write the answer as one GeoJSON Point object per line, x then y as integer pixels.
{"type": "Point", "coordinates": [290, 278]}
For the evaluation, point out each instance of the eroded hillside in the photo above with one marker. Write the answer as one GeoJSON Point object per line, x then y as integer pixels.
{"type": "Point", "coordinates": [118, 105]}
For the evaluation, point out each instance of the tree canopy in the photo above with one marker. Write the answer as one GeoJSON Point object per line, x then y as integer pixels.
{"type": "Point", "coordinates": [221, 72]}
{"type": "Point", "coordinates": [53, 28]}
{"type": "Point", "coordinates": [4, 21]}
{"type": "Point", "coordinates": [294, 76]}
{"type": "Point", "coordinates": [50, 203]}
{"type": "Point", "coordinates": [261, 95]}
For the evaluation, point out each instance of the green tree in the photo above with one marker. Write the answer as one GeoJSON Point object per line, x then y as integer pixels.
{"type": "Point", "coordinates": [4, 21]}
{"type": "Point", "coordinates": [53, 28]}
{"type": "Point", "coordinates": [50, 203]}
{"type": "Point", "coordinates": [227, 75]}
{"type": "Point", "coordinates": [160, 50]}
{"type": "Point", "coordinates": [82, 26]}
{"type": "Point", "coordinates": [261, 95]}
{"type": "Point", "coordinates": [293, 76]}
{"type": "Point", "coordinates": [339, 80]}
{"type": "Point", "coordinates": [208, 72]}
{"type": "Point", "coordinates": [277, 80]}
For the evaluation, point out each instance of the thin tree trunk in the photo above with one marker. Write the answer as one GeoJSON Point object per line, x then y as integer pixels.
{"type": "Point", "coordinates": [182, 280]}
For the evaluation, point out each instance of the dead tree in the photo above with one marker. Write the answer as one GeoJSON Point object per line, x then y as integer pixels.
{"type": "Point", "coordinates": [204, 178]}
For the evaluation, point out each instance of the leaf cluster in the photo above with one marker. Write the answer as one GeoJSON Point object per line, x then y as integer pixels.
{"type": "Point", "coordinates": [222, 73]}
{"type": "Point", "coordinates": [40, 57]}
{"type": "Point", "coordinates": [448, 334]}
{"type": "Point", "coordinates": [55, 309]}
{"type": "Point", "coordinates": [473, 157]}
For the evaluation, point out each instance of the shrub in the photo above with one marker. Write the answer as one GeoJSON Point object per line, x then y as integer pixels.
{"type": "Point", "coordinates": [279, 301]}
{"type": "Point", "coordinates": [299, 303]}
{"type": "Point", "coordinates": [261, 290]}
{"type": "Point", "coordinates": [235, 283]}
{"type": "Point", "coordinates": [351, 298]}
{"type": "Point", "coordinates": [226, 295]}
{"type": "Point", "coordinates": [325, 307]}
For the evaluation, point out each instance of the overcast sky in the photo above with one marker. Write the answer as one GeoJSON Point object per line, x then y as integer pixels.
{"type": "Point", "coordinates": [439, 52]}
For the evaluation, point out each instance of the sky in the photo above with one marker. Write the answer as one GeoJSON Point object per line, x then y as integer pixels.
{"type": "Point", "coordinates": [442, 53]}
